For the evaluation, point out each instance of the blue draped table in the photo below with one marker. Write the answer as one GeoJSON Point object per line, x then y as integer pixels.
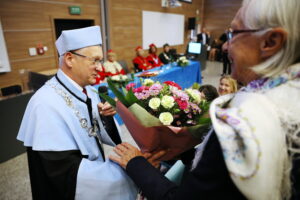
{"type": "Point", "coordinates": [184, 76]}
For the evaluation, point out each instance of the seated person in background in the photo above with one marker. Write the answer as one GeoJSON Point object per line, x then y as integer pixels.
{"type": "Point", "coordinates": [165, 56]}
{"type": "Point", "coordinates": [208, 92]}
{"type": "Point", "coordinates": [152, 58]}
{"type": "Point", "coordinates": [111, 66]}
{"type": "Point", "coordinates": [227, 85]}
{"type": "Point", "coordinates": [101, 75]}
{"type": "Point", "coordinates": [140, 62]}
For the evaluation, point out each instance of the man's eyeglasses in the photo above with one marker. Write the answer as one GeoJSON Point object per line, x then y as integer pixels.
{"type": "Point", "coordinates": [95, 61]}
{"type": "Point", "coordinates": [231, 32]}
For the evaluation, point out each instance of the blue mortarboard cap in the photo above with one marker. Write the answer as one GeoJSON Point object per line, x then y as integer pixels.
{"type": "Point", "coordinates": [78, 38]}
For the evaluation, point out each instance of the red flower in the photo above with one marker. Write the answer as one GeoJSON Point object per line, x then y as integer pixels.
{"type": "Point", "coordinates": [130, 85]}
{"type": "Point", "coordinates": [141, 89]}
{"type": "Point", "coordinates": [172, 83]}
{"type": "Point", "coordinates": [182, 104]}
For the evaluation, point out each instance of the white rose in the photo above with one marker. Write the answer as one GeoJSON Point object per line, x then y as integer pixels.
{"type": "Point", "coordinates": [148, 82]}
{"type": "Point", "coordinates": [124, 77]}
{"type": "Point", "coordinates": [154, 103]}
{"type": "Point", "coordinates": [195, 94]}
{"type": "Point", "coordinates": [121, 77]}
{"type": "Point", "coordinates": [115, 78]}
{"type": "Point", "coordinates": [166, 118]}
{"type": "Point", "coordinates": [167, 102]}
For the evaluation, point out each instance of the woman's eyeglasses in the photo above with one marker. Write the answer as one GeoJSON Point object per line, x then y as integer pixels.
{"type": "Point", "coordinates": [230, 33]}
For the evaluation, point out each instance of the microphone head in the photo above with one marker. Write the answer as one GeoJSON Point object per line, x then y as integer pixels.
{"type": "Point", "coordinates": [102, 89]}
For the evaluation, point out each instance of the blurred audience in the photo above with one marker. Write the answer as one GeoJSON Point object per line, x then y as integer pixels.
{"type": "Point", "coordinates": [225, 60]}
{"type": "Point", "coordinates": [227, 85]}
{"type": "Point", "coordinates": [152, 58]}
{"type": "Point", "coordinates": [165, 56]}
{"type": "Point", "coordinates": [203, 37]}
{"type": "Point", "coordinates": [111, 66]}
{"type": "Point", "coordinates": [215, 51]}
{"type": "Point", "coordinates": [101, 75]}
{"type": "Point", "coordinates": [208, 92]}
{"type": "Point", "coordinates": [140, 62]}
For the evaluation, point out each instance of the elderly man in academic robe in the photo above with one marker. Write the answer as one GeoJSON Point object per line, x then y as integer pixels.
{"type": "Point", "coordinates": [63, 131]}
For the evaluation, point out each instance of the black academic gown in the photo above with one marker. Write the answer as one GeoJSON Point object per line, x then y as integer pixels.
{"type": "Point", "coordinates": [53, 175]}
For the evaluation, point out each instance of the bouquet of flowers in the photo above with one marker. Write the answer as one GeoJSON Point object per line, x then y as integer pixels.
{"type": "Point", "coordinates": [162, 115]}
{"type": "Point", "coordinates": [182, 61]}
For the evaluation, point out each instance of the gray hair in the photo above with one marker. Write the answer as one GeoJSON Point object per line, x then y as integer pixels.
{"type": "Point", "coordinates": [264, 14]}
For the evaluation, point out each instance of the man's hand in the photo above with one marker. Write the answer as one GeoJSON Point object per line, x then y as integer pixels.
{"type": "Point", "coordinates": [126, 152]}
{"type": "Point", "coordinates": [106, 109]}
{"type": "Point", "coordinates": [154, 158]}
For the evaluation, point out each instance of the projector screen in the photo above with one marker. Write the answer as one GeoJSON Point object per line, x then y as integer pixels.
{"type": "Point", "coordinates": [160, 28]}
{"type": "Point", "coordinates": [194, 48]}
{"type": "Point", "coordinates": [4, 62]}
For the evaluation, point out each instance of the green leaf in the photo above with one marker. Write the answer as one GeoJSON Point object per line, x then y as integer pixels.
{"type": "Point", "coordinates": [124, 91]}
{"type": "Point", "coordinates": [132, 76]}
{"type": "Point", "coordinates": [117, 93]}
{"type": "Point", "coordinates": [144, 116]}
{"type": "Point", "coordinates": [176, 110]}
{"type": "Point", "coordinates": [204, 120]}
{"type": "Point", "coordinates": [131, 98]}
{"type": "Point", "coordinates": [196, 86]}
{"type": "Point", "coordinates": [107, 98]}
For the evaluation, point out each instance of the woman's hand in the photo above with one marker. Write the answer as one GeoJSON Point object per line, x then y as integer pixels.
{"type": "Point", "coordinates": [106, 109]}
{"type": "Point", "coordinates": [126, 152]}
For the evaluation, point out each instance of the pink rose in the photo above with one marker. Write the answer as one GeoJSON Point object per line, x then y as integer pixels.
{"type": "Point", "coordinates": [182, 104]}
{"type": "Point", "coordinates": [141, 89]}
{"type": "Point", "coordinates": [130, 85]}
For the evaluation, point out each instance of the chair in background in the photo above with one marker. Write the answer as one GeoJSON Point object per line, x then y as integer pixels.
{"type": "Point", "coordinates": [14, 89]}
{"type": "Point", "coordinates": [124, 65]}
{"type": "Point", "coordinates": [37, 80]}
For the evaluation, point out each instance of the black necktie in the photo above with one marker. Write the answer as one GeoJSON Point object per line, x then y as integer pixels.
{"type": "Point", "coordinates": [90, 109]}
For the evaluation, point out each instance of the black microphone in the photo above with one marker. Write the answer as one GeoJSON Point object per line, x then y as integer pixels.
{"type": "Point", "coordinates": [102, 90]}
{"type": "Point", "coordinates": [108, 121]}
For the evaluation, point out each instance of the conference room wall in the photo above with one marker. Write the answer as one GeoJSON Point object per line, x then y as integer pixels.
{"type": "Point", "coordinates": [125, 19]}
{"type": "Point", "coordinates": [26, 23]}
{"type": "Point", "coordinates": [218, 14]}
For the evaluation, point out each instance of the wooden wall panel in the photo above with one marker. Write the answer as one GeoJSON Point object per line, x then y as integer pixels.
{"type": "Point", "coordinates": [22, 43]}
{"type": "Point", "coordinates": [125, 18]}
{"type": "Point", "coordinates": [218, 15]}
{"type": "Point", "coordinates": [27, 23]}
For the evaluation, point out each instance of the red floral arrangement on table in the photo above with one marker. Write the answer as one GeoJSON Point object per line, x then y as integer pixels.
{"type": "Point", "coordinates": [162, 115]}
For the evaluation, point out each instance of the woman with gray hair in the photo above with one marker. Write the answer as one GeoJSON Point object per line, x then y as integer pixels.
{"type": "Point", "coordinates": [256, 132]}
